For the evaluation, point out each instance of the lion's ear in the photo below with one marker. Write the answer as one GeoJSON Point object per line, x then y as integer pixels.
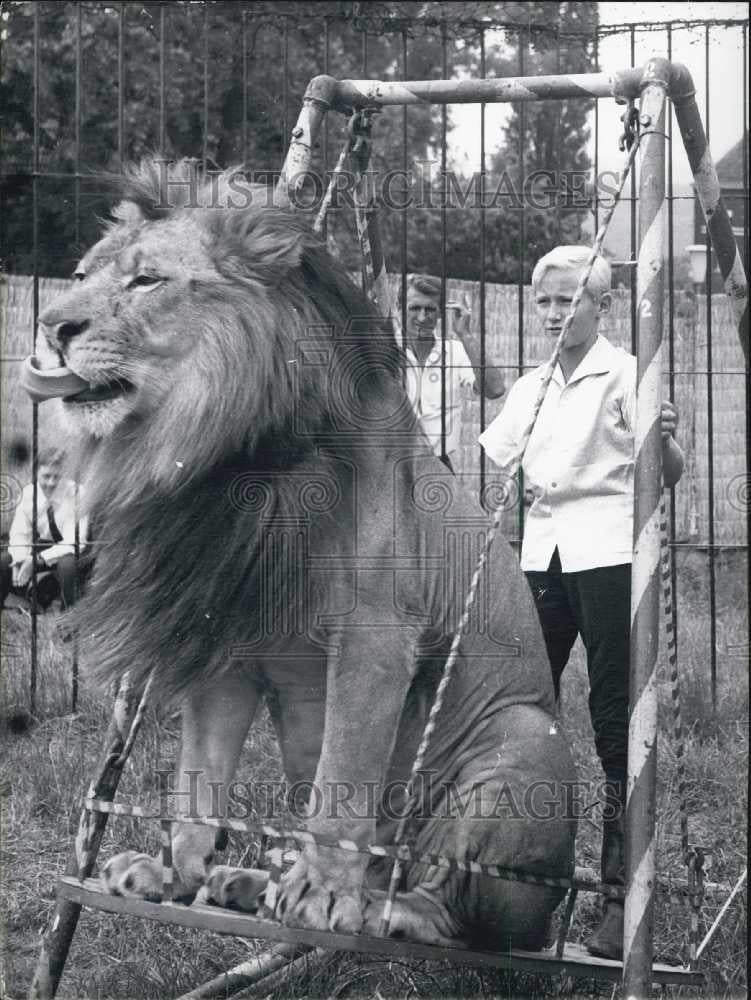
{"type": "Point", "coordinates": [265, 246]}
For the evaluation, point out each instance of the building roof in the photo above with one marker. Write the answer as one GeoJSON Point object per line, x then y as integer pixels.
{"type": "Point", "coordinates": [730, 166]}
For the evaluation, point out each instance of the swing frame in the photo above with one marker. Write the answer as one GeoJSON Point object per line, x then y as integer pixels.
{"type": "Point", "coordinates": [651, 85]}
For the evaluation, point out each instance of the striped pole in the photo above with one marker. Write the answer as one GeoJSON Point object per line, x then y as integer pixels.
{"type": "Point", "coordinates": [316, 102]}
{"type": "Point", "coordinates": [379, 93]}
{"type": "Point", "coordinates": [718, 222]}
{"type": "Point", "coordinates": [645, 574]}
{"type": "Point", "coordinates": [62, 924]}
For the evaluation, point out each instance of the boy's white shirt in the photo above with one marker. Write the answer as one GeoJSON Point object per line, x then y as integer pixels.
{"type": "Point", "coordinates": [579, 462]}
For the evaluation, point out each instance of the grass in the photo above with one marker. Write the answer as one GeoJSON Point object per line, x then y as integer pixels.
{"type": "Point", "coordinates": [47, 763]}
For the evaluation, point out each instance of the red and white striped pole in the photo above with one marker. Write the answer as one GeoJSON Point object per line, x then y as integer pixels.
{"type": "Point", "coordinates": [645, 575]}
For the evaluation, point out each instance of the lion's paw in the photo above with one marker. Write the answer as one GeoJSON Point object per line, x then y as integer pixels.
{"type": "Point", "coordinates": [133, 874]}
{"type": "Point", "coordinates": [413, 918]}
{"type": "Point", "coordinates": [235, 888]}
{"type": "Point", "coordinates": [320, 901]}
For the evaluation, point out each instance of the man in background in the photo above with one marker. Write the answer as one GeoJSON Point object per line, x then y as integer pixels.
{"type": "Point", "coordinates": [425, 365]}
{"type": "Point", "coordinates": [58, 529]}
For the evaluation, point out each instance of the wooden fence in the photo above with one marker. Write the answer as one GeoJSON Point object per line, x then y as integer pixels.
{"type": "Point", "coordinates": [502, 346]}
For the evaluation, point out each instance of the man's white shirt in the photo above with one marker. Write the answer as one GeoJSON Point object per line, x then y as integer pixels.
{"type": "Point", "coordinates": [579, 462]}
{"type": "Point", "coordinates": [65, 505]}
{"type": "Point", "coordinates": [424, 388]}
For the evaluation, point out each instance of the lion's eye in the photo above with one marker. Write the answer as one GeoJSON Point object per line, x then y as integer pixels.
{"type": "Point", "coordinates": [144, 280]}
{"type": "Point", "coordinates": [79, 275]}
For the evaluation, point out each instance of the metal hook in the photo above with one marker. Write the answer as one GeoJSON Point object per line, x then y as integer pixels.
{"type": "Point", "coordinates": [630, 134]}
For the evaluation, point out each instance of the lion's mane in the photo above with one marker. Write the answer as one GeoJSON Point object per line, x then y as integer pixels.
{"type": "Point", "coordinates": [176, 545]}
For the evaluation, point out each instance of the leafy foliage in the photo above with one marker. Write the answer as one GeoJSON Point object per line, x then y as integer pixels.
{"type": "Point", "coordinates": [224, 83]}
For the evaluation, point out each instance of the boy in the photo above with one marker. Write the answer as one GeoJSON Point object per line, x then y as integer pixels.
{"type": "Point", "coordinates": [579, 467]}
{"type": "Point", "coordinates": [56, 537]}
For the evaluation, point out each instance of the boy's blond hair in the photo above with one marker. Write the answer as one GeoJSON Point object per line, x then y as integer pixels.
{"type": "Point", "coordinates": [573, 258]}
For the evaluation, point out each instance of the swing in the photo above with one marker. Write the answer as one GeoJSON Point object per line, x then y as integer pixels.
{"type": "Point", "coordinates": [77, 888]}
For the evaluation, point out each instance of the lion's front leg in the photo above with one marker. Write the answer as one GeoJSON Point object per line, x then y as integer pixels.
{"type": "Point", "coordinates": [366, 687]}
{"type": "Point", "coordinates": [215, 722]}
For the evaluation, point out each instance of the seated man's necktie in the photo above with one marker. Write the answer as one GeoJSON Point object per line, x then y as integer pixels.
{"type": "Point", "coordinates": [55, 533]}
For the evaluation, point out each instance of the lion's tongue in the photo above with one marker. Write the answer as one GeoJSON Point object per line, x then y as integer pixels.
{"type": "Point", "coordinates": [49, 383]}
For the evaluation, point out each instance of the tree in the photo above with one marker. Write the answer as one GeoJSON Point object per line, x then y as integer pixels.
{"type": "Point", "coordinates": [208, 80]}
{"type": "Point", "coordinates": [540, 172]}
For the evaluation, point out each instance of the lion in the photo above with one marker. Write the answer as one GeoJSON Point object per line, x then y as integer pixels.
{"type": "Point", "coordinates": [272, 524]}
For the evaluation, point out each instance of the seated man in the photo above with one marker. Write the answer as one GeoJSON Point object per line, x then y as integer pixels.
{"type": "Point", "coordinates": [57, 574]}
{"type": "Point", "coordinates": [424, 365]}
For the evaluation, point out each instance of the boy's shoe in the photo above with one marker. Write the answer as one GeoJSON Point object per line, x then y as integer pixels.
{"type": "Point", "coordinates": [607, 940]}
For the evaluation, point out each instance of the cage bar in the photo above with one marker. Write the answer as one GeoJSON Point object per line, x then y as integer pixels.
{"type": "Point", "coordinates": [710, 426]}
{"type": "Point", "coordinates": [522, 42]}
{"type": "Point", "coordinates": [34, 406]}
{"type": "Point", "coordinates": [444, 244]}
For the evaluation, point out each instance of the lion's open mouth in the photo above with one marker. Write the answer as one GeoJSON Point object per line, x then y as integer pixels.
{"type": "Point", "coordinates": [101, 392]}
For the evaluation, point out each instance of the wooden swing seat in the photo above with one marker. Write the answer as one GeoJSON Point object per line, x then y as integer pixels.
{"type": "Point", "coordinates": [574, 962]}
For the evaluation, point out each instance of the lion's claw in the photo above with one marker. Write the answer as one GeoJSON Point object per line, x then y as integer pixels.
{"type": "Point", "coordinates": [310, 898]}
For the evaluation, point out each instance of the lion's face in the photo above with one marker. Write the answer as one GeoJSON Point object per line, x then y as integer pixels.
{"type": "Point", "coordinates": [189, 323]}
{"type": "Point", "coordinates": [130, 325]}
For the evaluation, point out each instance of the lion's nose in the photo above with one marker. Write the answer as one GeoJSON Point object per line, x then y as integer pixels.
{"type": "Point", "coordinates": [62, 333]}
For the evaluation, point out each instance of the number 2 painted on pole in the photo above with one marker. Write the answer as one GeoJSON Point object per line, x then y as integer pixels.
{"type": "Point", "coordinates": [645, 308]}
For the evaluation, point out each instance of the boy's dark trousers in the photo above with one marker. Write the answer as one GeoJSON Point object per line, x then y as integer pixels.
{"type": "Point", "coordinates": [596, 604]}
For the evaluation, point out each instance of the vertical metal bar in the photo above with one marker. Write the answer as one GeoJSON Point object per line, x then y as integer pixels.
{"type": "Point", "coordinates": [364, 52]}
{"type": "Point", "coordinates": [34, 406]}
{"type": "Point", "coordinates": [556, 137]}
{"type": "Point", "coordinates": [747, 379]}
{"type": "Point", "coordinates": [77, 551]}
{"type": "Point", "coordinates": [285, 80]}
{"type": "Point", "coordinates": [162, 82]}
{"type": "Point", "coordinates": [245, 86]}
{"type": "Point", "coordinates": [645, 577]}
{"type": "Point", "coordinates": [405, 162]}
{"type": "Point", "coordinates": [121, 86]}
{"type": "Point", "coordinates": [325, 136]}
{"type": "Point", "coordinates": [632, 270]}
{"type": "Point", "coordinates": [77, 212]}
{"type": "Point", "coordinates": [710, 430]}
{"type": "Point", "coordinates": [483, 252]}
{"type": "Point", "coordinates": [77, 130]}
{"type": "Point", "coordinates": [204, 144]}
{"type": "Point", "coordinates": [520, 276]}
{"type": "Point", "coordinates": [444, 240]}
{"type": "Point", "coordinates": [597, 137]}
{"type": "Point", "coordinates": [671, 338]}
